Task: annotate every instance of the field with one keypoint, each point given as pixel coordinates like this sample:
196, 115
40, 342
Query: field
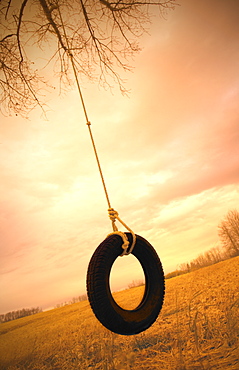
198, 328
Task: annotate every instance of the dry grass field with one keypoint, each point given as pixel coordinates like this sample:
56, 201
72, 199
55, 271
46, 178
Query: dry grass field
198, 328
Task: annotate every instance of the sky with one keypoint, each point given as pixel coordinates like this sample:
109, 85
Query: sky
169, 153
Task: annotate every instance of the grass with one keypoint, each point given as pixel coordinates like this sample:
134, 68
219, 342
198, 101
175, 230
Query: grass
196, 329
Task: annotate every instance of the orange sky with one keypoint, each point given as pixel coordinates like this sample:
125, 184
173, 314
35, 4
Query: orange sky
169, 153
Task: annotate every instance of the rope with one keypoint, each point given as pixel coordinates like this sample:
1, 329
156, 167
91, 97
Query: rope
84, 109
113, 215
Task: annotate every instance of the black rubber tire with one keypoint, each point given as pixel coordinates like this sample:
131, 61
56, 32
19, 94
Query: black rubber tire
107, 311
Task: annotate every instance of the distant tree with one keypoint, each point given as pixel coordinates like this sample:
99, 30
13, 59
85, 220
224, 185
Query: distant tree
98, 35
82, 297
13, 315
136, 283
214, 255
175, 273
228, 231
184, 267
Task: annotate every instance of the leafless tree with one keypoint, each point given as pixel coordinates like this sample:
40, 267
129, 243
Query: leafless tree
228, 231
13, 315
99, 36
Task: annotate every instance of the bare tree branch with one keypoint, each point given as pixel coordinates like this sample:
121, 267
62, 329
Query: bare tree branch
48, 12
100, 35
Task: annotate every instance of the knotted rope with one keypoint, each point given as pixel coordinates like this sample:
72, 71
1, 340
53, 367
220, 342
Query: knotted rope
113, 215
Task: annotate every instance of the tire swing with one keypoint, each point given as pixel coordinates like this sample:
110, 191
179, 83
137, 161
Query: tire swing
105, 308
107, 311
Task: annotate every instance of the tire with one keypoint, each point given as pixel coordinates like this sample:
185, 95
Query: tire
107, 311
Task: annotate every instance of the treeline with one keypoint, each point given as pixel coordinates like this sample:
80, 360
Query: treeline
228, 231
136, 283
80, 298
13, 315
208, 258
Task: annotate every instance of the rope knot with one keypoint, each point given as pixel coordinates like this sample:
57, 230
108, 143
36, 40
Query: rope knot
125, 244
113, 214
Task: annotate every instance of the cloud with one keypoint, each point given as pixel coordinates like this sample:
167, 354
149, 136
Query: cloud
169, 154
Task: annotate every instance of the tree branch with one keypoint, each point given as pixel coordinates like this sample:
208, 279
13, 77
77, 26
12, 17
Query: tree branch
101, 34
48, 12
6, 37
